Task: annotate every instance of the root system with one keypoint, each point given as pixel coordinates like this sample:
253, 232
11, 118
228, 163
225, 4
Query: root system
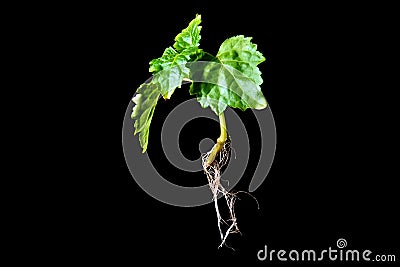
213, 172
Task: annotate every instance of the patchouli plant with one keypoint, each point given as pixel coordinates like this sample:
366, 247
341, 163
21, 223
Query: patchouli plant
229, 78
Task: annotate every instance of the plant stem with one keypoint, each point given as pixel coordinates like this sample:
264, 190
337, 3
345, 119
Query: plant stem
220, 141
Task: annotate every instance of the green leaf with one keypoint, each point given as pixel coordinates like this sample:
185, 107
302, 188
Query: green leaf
232, 78
189, 37
240, 53
145, 102
169, 71
170, 79
173, 61
168, 59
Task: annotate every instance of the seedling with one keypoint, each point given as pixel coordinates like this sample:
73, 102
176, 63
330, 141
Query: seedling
230, 78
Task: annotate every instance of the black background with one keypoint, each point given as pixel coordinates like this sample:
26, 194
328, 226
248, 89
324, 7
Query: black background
328, 82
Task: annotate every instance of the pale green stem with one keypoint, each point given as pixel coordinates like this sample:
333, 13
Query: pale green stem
220, 141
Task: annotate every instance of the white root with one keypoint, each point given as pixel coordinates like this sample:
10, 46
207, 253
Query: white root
213, 172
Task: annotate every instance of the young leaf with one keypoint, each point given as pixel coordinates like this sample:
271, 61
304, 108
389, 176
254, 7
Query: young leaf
169, 71
233, 78
173, 61
146, 100
168, 59
189, 37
